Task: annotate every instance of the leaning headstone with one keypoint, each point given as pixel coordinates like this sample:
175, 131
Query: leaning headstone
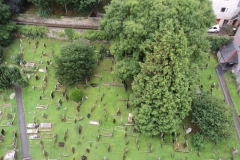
188, 130
1, 138
9, 116
12, 95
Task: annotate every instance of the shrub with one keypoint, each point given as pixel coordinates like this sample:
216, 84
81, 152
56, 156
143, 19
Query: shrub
69, 32
33, 31
22, 82
17, 59
76, 95
95, 35
61, 33
198, 141
168, 138
229, 77
1, 54
218, 41
102, 51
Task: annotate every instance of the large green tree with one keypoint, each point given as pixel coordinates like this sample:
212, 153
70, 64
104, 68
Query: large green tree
213, 117
131, 24
6, 25
75, 63
161, 91
8, 75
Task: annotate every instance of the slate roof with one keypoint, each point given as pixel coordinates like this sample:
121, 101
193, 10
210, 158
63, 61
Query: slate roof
229, 53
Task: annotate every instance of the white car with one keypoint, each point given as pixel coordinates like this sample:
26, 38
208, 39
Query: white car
214, 29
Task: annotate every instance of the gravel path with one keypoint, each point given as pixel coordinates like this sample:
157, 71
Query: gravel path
227, 97
22, 124
70, 22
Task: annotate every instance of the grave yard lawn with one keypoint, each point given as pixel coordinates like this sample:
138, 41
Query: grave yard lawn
113, 99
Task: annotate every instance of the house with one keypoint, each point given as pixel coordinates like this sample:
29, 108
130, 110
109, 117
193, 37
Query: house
228, 56
225, 10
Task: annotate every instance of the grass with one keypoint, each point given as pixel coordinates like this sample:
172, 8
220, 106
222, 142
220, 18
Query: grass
112, 100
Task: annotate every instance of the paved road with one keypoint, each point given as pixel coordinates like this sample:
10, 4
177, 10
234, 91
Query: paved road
22, 124
227, 97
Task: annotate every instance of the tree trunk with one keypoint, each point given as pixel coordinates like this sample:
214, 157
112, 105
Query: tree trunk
66, 9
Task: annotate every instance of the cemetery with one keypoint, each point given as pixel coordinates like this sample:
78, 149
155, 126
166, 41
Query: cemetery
101, 124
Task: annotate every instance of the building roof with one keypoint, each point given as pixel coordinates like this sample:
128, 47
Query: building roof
229, 53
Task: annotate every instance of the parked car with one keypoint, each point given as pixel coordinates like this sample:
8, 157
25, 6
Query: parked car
214, 29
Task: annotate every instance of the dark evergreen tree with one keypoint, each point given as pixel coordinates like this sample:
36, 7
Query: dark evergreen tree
1, 54
8, 75
75, 63
161, 91
15, 5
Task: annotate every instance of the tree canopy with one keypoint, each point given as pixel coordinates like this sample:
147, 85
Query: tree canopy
161, 91
15, 5
6, 25
213, 117
1, 54
8, 75
44, 7
75, 63
131, 24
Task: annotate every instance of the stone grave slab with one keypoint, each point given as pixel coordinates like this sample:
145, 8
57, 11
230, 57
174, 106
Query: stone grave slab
94, 123
6, 124
29, 65
45, 127
34, 137
10, 155
106, 83
188, 130
32, 125
32, 131
12, 95
42, 106
5, 105
42, 70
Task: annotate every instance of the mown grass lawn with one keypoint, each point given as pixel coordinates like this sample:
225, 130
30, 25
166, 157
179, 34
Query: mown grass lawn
114, 98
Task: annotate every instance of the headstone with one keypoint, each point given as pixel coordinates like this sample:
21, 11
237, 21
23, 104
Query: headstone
44, 115
4, 98
61, 144
130, 118
3, 132
12, 95
87, 150
9, 116
84, 157
188, 130
1, 138
73, 150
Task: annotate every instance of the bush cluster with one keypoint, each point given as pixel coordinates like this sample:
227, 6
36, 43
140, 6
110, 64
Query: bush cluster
95, 35
72, 34
218, 41
76, 95
33, 31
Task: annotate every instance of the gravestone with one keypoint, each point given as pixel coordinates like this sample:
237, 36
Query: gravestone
73, 150
87, 150
130, 118
12, 95
61, 144
4, 98
9, 116
44, 115
188, 130
84, 157
3, 132
1, 138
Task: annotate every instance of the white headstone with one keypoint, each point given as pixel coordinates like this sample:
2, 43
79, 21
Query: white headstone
12, 95
42, 70
188, 130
